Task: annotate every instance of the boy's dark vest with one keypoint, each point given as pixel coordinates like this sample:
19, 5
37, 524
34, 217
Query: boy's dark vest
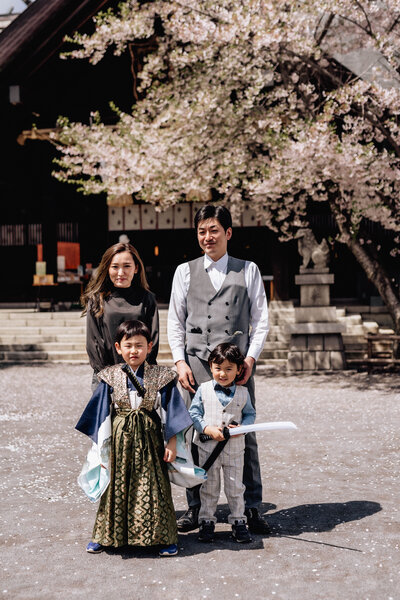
216, 317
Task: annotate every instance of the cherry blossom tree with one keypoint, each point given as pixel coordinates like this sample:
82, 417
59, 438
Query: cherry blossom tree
250, 99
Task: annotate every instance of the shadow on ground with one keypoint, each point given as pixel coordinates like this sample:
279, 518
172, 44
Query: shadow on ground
319, 517
288, 522
309, 517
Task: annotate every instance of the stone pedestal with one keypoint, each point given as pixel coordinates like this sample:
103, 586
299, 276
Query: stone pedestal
316, 336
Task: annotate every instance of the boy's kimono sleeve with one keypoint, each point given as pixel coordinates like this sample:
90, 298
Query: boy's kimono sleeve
176, 417
182, 471
95, 422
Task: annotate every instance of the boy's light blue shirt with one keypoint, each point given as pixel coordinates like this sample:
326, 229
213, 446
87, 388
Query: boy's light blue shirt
196, 409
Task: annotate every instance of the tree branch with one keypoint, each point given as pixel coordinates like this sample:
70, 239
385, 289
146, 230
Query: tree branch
373, 269
394, 24
360, 6
325, 29
362, 112
353, 22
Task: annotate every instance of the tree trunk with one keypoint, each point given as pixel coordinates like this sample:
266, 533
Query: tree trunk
375, 273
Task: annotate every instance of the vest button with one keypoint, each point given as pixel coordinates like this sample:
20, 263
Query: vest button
226, 331
209, 317
209, 302
209, 330
227, 303
227, 318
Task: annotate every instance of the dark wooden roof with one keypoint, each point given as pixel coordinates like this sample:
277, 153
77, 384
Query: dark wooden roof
39, 31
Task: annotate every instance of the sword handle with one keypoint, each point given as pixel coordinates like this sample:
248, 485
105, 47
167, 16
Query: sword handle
204, 437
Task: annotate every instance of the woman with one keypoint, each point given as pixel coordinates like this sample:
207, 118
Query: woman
117, 292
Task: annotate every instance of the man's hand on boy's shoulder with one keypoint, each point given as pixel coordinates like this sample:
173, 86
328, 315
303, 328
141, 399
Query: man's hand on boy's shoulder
247, 370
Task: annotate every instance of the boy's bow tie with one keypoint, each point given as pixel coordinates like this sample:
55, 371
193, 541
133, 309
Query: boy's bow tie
221, 388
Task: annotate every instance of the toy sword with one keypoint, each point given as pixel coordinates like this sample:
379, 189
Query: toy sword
232, 431
270, 426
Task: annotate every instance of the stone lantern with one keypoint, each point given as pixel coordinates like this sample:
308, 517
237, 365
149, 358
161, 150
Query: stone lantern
316, 336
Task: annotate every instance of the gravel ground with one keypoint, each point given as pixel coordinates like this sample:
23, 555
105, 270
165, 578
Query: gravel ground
331, 494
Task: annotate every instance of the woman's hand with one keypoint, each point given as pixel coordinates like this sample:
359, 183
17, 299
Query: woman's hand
170, 450
214, 432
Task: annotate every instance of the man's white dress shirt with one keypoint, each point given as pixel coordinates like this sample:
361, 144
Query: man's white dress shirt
177, 313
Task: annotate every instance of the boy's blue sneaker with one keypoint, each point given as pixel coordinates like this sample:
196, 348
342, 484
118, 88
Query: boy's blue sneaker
94, 548
171, 550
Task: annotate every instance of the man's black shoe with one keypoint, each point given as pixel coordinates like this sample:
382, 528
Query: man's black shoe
255, 522
206, 531
240, 533
189, 520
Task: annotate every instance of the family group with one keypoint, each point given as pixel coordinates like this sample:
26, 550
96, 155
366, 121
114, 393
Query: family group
217, 326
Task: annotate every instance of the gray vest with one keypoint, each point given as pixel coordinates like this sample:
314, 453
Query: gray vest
216, 317
218, 415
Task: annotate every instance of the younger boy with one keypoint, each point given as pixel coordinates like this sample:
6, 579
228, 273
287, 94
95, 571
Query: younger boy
220, 403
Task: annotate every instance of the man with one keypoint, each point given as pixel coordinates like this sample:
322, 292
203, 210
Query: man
215, 299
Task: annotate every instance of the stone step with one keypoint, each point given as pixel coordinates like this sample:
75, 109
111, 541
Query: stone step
42, 347
13, 315
370, 327
276, 327
67, 355
19, 323
355, 355
163, 345
281, 354
279, 337
164, 354
38, 339
80, 346
355, 330
278, 321
355, 347
352, 320
276, 345
25, 357
350, 338
280, 304
269, 366
30, 331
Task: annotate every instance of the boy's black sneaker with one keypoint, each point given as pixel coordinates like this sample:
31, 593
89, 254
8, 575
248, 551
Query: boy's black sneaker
206, 531
240, 532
